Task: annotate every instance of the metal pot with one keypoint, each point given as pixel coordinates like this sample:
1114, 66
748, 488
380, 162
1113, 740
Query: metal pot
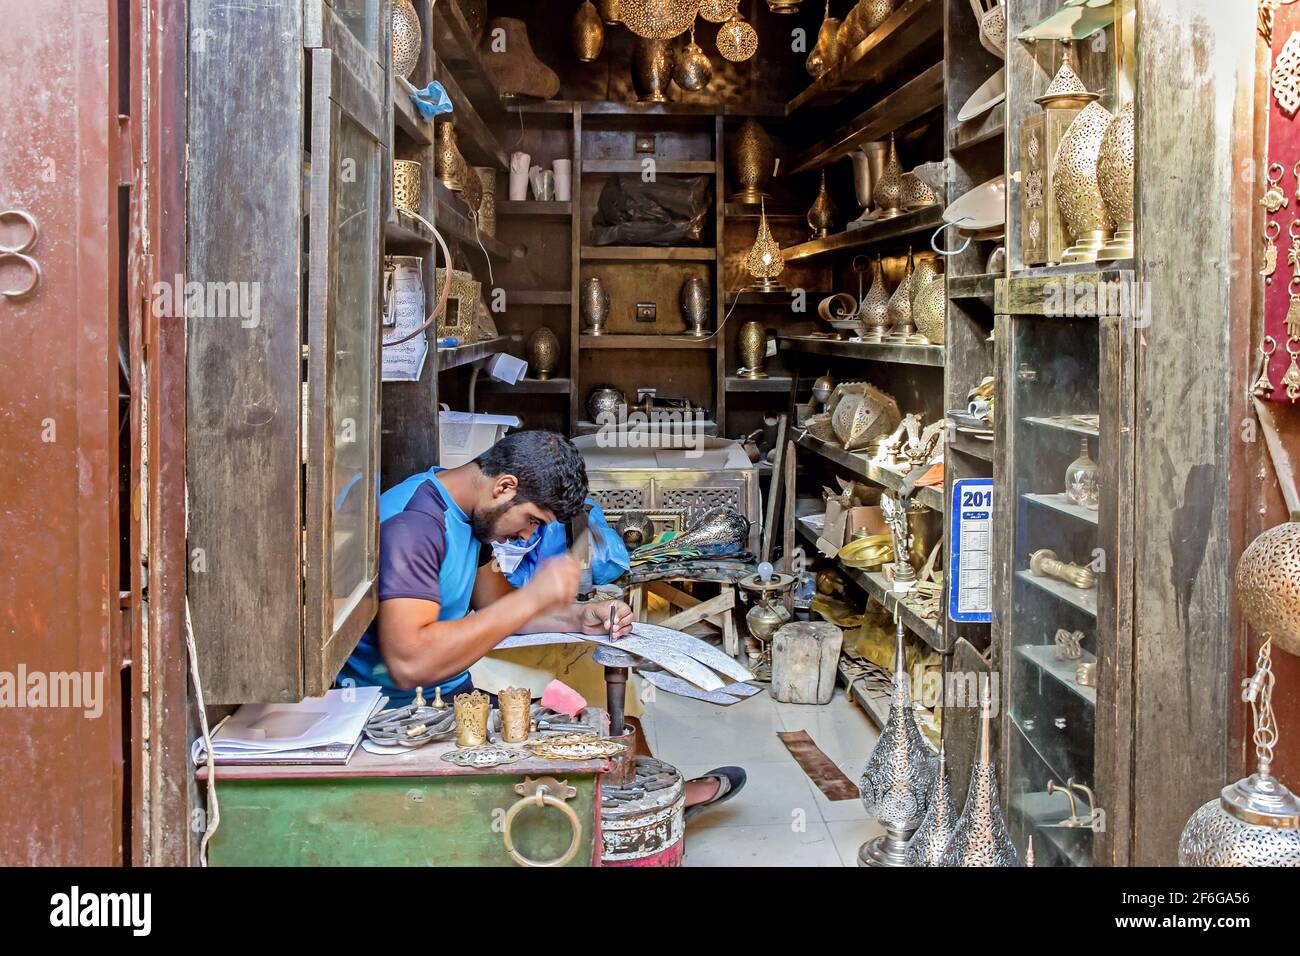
605, 400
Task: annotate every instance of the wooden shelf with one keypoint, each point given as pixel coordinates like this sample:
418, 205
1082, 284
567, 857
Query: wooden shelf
403, 227
532, 207
890, 46
773, 383
972, 287
877, 708
650, 341
784, 298
1062, 504
1081, 599
649, 253
745, 211
1062, 423
455, 224
477, 143
982, 129
909, 223
970, 445
862, 467
702, 110
931, 355
875, 584
914, 99
529, 386
465, 354
1038, 290
679, 166
454, 43
408, 119
538, 297
1043, 657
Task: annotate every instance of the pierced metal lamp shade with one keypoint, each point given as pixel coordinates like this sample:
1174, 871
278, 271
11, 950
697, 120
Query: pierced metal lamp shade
1078, 192
1255, 821
931, 838
765, 261
899, 775
821, 216
903, 331
825, 56
719, 11
1268, 585
752, 158
980, 837
407, 38
543, 352
887, 194
873, 314
694, 71
737, 40
658, 19
1115, 165
588, 33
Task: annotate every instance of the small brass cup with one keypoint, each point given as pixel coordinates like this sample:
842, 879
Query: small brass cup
515, 718
471, 718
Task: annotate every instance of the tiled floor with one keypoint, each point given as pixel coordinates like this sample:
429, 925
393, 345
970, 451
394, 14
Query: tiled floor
780, 818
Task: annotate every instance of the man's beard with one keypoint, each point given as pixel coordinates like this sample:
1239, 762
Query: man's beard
483, 524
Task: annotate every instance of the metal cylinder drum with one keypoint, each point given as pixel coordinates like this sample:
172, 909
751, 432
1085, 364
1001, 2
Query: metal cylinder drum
644, 824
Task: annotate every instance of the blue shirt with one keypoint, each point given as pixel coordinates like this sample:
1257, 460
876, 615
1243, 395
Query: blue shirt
426, 551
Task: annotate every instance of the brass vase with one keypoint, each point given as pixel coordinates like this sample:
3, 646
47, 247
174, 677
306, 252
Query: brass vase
752, 159
825, 56
752, 342
594, 306
695, 307
822, 214
1115, 177
487, 210
888, 191
694, 71
543, 353
407, 184
652, 70
472, 711
588, 33
1078, 192
407, 38
873, 313
515, 704
446, 157
928, 299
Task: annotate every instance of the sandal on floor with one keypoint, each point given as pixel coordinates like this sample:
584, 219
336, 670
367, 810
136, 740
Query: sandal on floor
731, 780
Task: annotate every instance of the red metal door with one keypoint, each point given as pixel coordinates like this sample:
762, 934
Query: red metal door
66, 359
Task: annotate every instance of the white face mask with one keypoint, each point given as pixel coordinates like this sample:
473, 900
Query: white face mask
509, 554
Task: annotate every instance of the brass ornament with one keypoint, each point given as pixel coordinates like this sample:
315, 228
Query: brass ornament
825, 55
929, 302
1274, 198
861, 413
515, 704
658, 19
446, 158
481, 757
487, 209
1115, 165
1078, 192
1066, 91
888, 191
1293, 306
737, 40
543, 353
471, 718
652, 69
874, 13
719, 11
1285, 76
1044, 564
873, 313
694, 71
916, 193
1263, 386
1268, 585
1085, 675
1270, 250
407, 38
461, 316
822, 214
752, 159
407, 185
593, 749
765, 261
1068, 645
752, 343
594, 305
588, 33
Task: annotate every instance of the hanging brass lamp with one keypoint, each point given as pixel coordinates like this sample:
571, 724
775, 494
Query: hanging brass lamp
610, 11
719, 11
658, 19
825, 56
588, 33
694, 71
765, 261
737, 40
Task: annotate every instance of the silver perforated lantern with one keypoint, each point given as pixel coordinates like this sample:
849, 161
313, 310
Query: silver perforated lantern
899, 775
980, 837
931, 839
1255, 821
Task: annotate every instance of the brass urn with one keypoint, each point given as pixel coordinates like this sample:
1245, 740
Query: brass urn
543, 352
752, 342
1115, 178
593, 305
822, 214
1078, 191
652, 69
588, 33
752, 159
888, 191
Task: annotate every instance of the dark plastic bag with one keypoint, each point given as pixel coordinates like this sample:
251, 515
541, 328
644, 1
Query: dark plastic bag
667, 212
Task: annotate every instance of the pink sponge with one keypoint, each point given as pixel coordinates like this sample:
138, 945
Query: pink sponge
563, 699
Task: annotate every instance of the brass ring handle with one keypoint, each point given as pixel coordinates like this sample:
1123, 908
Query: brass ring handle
20, 251
542, 799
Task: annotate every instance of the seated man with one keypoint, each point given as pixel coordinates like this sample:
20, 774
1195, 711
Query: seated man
435, 569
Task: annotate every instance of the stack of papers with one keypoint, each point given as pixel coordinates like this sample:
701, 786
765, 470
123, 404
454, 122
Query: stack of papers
317, 730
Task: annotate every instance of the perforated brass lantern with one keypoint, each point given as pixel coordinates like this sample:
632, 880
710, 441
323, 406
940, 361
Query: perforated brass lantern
888, 191
931, 838
588, 33
446, 157
765, 261
407, 38
658, 19
652, 69
407, 184
928, 299
543, 353
752, 158
752, 343
903, 328
515, 704
1078, 192
737, 40
875, 12
899, 776
1268, 584
694, 71
610, 11
873, 312
980, 837
822, 214
1255, 821
719, 11
825, 56
1115, 177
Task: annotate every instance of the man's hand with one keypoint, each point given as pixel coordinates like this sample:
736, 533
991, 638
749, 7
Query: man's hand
555, 583
595, 618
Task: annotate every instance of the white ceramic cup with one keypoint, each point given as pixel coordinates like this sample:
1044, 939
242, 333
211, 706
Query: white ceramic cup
563, 180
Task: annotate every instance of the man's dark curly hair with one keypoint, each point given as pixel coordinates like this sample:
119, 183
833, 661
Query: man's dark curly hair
550, 470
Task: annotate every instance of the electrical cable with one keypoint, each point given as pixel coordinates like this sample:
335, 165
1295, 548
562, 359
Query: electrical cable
441, 307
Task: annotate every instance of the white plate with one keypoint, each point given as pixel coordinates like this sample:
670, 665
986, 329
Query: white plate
980, 209
991, 92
